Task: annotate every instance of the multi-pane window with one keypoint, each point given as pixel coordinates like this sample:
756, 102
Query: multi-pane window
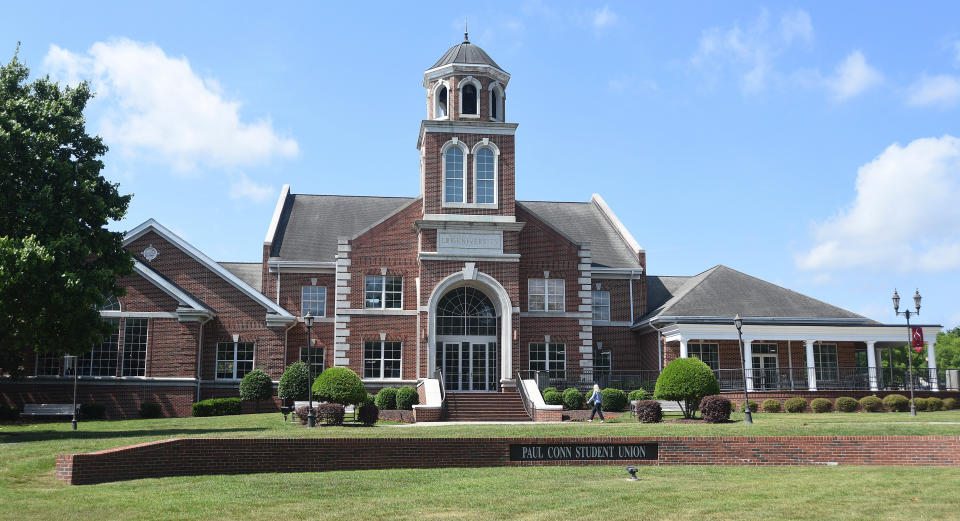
453, 175
135, 347
313, 357
383, 292
381, 359
601, 305
234, 360
48, 364
825, 362
103, 358
485, 176
545, 295
466, 311
313, 300
549, 357
112, 304
707, 353
602, 361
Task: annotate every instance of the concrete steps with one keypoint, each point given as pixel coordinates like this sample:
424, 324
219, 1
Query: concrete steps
506, 406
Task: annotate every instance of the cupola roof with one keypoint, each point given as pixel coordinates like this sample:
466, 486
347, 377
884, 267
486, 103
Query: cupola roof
466, 53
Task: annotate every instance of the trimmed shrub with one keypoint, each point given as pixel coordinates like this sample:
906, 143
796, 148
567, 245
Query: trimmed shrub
639, 394
649, 411
846, 404
771, 405
949, 404
934, 404
9, 412
552, 397
340, 385
407, 397
715, 409
150, 410
302, 413
369, 400
686, 380
255, 386
386, 399
329, 413
294, 382
613, 400
921, 404
546, 389
871, 404
821, 405
368, 414
795, 404
92, 411
572, 399
217, 407
754, 406
896, 402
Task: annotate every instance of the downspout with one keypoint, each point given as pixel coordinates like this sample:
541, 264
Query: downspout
278, 285
200, 355
631, 297
790, 363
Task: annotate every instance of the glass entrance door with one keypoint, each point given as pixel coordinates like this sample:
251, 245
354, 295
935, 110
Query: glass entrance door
765, 371
468, 365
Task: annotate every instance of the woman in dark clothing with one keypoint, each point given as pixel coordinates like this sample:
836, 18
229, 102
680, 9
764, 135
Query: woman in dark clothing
597, 400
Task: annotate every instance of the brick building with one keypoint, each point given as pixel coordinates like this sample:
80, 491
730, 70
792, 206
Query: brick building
463, 278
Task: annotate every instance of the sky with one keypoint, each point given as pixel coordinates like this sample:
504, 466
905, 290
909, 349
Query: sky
814, 146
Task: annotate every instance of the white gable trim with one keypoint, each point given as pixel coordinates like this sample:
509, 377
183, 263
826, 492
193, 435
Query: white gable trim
275, 221
152, 225
180, 296
621, 229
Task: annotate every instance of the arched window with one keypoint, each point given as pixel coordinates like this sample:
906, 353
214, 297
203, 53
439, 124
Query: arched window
112, 304
469, 100
494, 101
485, 168
466, 311
453, 175
440, 111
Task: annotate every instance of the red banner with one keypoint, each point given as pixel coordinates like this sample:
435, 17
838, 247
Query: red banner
916, 338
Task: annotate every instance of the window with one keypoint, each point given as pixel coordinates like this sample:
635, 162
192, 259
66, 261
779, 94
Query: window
466, 311
112, 304
602, 361
313, 357
549, 357
234, 360
48, 364
313, 300
383, 292
381, 359
494, 101
440, 110
707, 353
545, 295
485, 169
469, 93
135, 347
825, 362
453, 174
102, 359
601, 305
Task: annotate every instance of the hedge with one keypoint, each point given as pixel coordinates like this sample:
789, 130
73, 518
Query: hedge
649, 411
795, 404
639, 394
934, 404
871, 404
572, 399
715, 409
294, 382
846, 404
339, 385
552, 397
686, 380
217, 407
150, 410
949, 404
386, 399
896, 402
754, 406
92, 411
771, 405
821, 405
613, 400
921, 404
407, 397
368, 414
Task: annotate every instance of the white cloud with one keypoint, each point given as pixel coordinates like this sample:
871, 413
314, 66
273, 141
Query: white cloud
245, 188
157, 104
604, 18
905, 215
943, 90
796, 26
853, 76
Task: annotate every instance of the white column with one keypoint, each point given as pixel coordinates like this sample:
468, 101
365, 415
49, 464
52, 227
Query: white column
932, 365
748, 362
811, 366
683, 347
872, 364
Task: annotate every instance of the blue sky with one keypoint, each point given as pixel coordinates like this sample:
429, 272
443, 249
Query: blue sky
813, 146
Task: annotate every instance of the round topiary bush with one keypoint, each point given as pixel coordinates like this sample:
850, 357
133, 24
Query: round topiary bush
639, 394
613, 400
545, 389
386, 399
407, 397
150, 410
934, 404
871, 404
572, 399
339, 385
921, 403
754, 406
649, 411
821, 405
949, 404
368, 414
846, 404
771, 405
715, 409
369, 401
329, 413
686, 380
294, 382
896, 402
795, 404
256, 386
552, 397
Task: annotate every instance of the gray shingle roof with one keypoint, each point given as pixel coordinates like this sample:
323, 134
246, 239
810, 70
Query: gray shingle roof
585, 222
465, 52
724, 292
310, 224
249, 272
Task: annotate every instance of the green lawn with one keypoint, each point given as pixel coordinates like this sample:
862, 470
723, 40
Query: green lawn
28, 489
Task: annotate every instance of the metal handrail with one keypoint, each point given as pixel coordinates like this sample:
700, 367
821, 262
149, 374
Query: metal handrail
438, 374
527, 405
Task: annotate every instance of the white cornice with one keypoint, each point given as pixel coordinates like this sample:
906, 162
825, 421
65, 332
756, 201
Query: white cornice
487, 128
825, 333
275, 221
617, 224
434, 256
301, 266
431, 75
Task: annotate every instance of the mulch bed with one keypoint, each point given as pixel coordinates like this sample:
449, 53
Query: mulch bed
396, 415
584, 415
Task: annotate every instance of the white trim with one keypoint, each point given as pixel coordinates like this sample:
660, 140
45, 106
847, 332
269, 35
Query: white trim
486, 143
482, 69
443, 170
138, 314
436, 101
617, 224
376, 311
275, 221
469, 80
434, 256
275, 266
179, 295
152, 225
495, 88
709, 332
600, 272
441, 218
555, 314
486, 128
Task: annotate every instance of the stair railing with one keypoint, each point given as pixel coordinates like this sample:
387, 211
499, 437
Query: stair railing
527, 401
438, 374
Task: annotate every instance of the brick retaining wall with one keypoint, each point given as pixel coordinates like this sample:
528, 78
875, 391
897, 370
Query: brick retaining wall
204, 456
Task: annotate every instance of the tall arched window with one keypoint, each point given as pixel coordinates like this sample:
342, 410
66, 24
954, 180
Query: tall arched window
466, 311
453, 175
441, 109
494, 101
485, 169
469, 100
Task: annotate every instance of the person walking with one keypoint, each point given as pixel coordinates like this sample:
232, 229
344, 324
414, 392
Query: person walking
597, 400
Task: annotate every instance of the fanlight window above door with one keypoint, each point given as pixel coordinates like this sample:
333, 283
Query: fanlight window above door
466, 311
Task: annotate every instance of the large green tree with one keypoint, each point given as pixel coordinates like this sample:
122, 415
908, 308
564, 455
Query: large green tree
58, 261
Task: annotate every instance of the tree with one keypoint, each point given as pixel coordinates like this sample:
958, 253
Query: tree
686, 380
256, 386
58, 262
339, 385
294, 382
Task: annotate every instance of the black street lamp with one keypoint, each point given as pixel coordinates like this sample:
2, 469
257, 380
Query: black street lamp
907, 313
311, 417
70, 361
747, 416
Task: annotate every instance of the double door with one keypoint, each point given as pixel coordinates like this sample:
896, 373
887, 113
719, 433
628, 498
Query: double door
468, 364
765, 374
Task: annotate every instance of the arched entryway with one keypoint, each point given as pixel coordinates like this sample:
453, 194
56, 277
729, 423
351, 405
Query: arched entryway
466, 340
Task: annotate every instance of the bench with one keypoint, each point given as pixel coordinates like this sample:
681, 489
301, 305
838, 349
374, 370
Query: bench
48, 409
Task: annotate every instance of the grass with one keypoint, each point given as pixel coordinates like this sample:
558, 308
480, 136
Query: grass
28, 489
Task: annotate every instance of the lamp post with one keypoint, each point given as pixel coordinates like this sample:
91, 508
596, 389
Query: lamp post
906, 313
311, 417
747, 416
70, 361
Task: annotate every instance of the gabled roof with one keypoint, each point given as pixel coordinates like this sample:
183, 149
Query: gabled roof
722, 292
183, 297
249, 272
